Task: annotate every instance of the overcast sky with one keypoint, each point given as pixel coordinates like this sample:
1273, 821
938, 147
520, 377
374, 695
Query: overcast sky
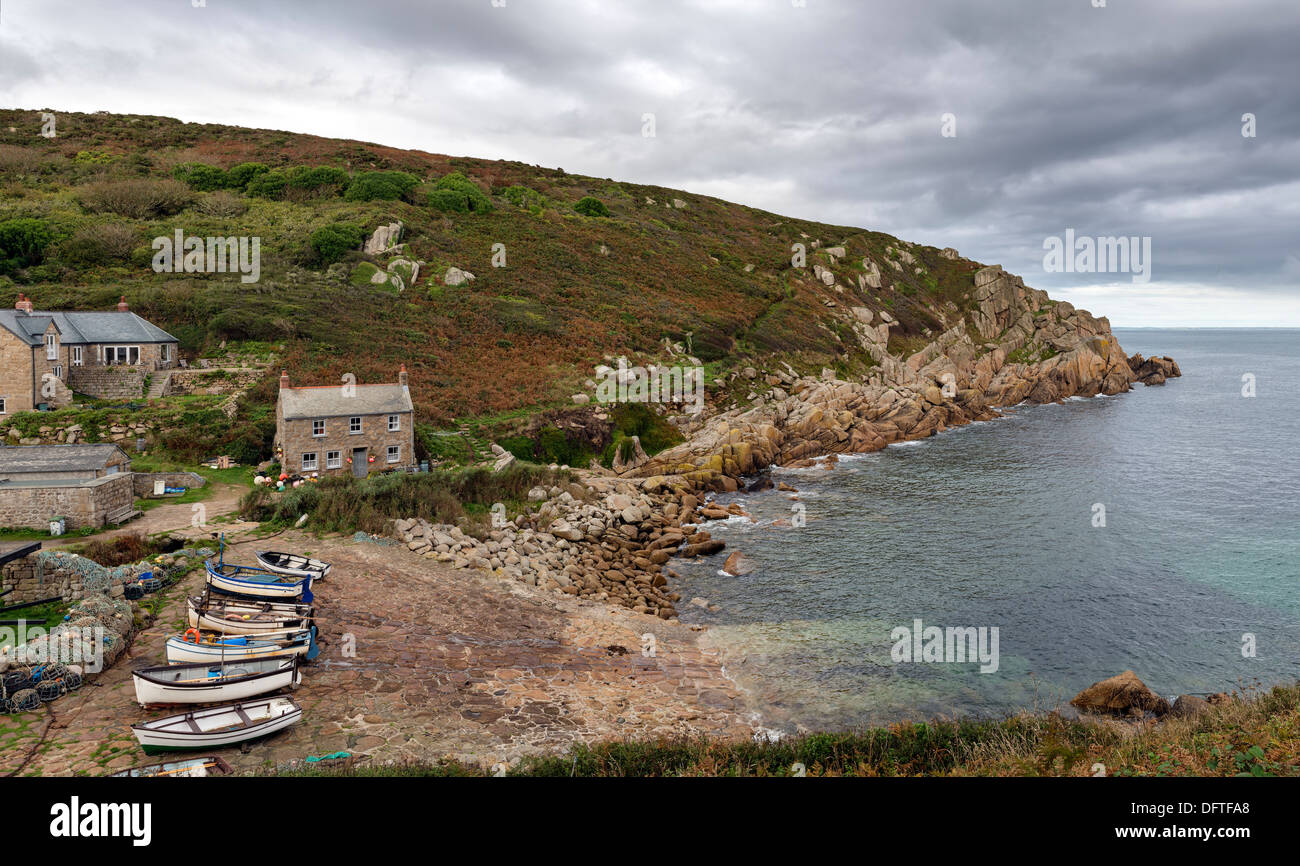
1122, 120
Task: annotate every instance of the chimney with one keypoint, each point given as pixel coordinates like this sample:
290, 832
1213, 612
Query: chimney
401, 376
24, 303
121, 305
284, 379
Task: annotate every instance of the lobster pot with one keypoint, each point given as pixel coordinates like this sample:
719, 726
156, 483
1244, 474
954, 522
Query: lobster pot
48, 690
25, 701
16, 680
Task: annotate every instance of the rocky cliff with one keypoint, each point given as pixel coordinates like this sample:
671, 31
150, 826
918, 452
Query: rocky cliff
1013, 345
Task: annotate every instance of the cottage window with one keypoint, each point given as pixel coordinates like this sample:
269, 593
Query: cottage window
333, 459
129, 355
76, 356
3, 411
165, 355
318, 427
58, 371
354, 425
309, 461
394, 453
394, 423
51, 347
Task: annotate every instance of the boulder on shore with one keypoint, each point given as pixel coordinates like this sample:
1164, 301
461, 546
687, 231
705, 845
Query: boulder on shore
739, 564
1123, 693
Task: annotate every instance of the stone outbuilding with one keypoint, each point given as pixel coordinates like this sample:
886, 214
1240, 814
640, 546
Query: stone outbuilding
88, 485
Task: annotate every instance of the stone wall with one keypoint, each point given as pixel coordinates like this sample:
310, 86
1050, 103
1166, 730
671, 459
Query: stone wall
144, 481
83, 504
108, 383
15, 373
216, 382
30, 581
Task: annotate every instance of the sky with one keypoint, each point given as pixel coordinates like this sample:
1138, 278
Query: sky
991, 126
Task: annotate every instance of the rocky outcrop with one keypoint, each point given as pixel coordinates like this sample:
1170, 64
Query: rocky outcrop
1153, 371
605, 539
384, 238
1122, 694
1014, 344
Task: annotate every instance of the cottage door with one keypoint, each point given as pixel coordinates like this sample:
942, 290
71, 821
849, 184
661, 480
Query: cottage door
360, 467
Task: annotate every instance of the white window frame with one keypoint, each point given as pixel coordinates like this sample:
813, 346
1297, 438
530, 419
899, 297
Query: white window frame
355, 426
335, 462
309, 465
112, 350
3, 409
394, 453
321, 422
394, 423
76, 356
57, 371
51, 347
164, 353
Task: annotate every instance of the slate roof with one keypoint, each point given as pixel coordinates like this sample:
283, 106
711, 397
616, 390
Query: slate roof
56, 458
328, 401
83, 328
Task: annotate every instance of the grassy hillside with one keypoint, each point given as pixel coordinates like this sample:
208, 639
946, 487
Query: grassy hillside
518, 339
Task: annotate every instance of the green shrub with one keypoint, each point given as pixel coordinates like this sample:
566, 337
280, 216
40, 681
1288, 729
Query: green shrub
592, 207
269, 184
380, 186
457, 193
448, 201
323, 179
202, 177
145, 198
241, 174
333, 241
23, 243
99, 244
525, 197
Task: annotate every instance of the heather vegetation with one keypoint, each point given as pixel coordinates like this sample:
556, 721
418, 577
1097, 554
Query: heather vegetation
593, 269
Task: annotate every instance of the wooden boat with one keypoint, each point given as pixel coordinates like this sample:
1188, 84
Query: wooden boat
234, 616
292, 563
215, 727
193, 768
208, 683
241, 581
195, 646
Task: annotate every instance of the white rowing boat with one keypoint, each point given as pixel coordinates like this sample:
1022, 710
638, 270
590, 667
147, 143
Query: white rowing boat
233, 616
293, 564
212, 683
192, 768
215, 727
254, 583
195, 646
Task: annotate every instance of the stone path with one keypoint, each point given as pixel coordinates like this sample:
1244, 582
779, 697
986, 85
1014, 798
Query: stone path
446, 663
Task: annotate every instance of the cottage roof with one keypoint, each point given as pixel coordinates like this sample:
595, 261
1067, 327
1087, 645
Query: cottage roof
84, 328
16, 459
330, 401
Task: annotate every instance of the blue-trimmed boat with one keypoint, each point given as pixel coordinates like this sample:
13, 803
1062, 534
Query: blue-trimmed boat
256, 583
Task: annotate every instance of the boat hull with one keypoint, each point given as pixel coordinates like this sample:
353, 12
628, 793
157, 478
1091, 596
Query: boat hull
257, 589
181, 651
234, 617
150, 691
217, 726
292, 564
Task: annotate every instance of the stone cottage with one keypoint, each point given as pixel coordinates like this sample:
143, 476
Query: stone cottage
44, 356
345, 429
89, 485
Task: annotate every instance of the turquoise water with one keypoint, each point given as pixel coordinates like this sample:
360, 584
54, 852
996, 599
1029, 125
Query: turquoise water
992, 525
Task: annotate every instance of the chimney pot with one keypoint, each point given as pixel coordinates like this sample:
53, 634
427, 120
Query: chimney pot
24, 303
121, 305
284, 379
401, 376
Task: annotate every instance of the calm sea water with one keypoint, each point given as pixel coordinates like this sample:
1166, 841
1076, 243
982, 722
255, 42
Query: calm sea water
992, 525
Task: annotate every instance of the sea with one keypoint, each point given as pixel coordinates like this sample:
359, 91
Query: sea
1157, 531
